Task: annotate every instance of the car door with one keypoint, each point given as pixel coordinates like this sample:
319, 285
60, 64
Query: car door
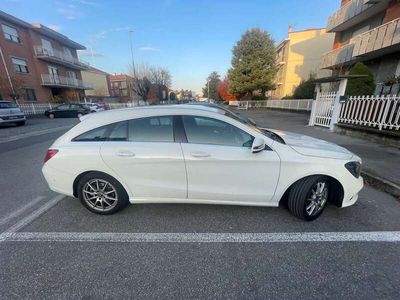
74, 110
144, 154
221, 166
61, 111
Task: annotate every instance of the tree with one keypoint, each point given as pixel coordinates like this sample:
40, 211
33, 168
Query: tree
363, 85
160, 76
306, 89
13, 89
223, 90
172, 96
212, 83
253, 64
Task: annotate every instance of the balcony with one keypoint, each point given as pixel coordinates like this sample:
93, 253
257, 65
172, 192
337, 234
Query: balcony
64, 82
338, 57
354, 12
378, 41
59, 57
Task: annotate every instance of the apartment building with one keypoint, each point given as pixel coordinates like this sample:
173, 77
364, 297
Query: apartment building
121, 87
38, 64
99, 80
298, 56
367, 31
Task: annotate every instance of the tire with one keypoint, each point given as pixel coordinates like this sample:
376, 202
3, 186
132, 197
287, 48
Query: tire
101, 203
309, 192
79, 115
51, 116
21, 123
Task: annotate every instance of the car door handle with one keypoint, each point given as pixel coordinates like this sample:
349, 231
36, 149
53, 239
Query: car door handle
199, 154
125, 153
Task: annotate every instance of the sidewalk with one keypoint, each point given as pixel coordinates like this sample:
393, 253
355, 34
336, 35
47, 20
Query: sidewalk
381, 164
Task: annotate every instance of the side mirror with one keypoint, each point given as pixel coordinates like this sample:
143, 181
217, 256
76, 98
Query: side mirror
258, 145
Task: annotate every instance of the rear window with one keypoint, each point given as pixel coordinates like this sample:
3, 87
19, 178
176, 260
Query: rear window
5, 105
152, 129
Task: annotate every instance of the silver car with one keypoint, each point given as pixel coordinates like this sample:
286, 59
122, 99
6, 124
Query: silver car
11, 113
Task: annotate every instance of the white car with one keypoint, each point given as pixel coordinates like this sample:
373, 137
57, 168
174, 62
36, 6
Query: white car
94, 107
197, 154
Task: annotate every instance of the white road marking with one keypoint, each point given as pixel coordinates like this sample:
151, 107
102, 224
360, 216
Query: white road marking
284, 237
33, 133
20, 210
31, 217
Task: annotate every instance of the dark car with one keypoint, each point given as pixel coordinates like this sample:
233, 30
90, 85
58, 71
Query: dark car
68, 110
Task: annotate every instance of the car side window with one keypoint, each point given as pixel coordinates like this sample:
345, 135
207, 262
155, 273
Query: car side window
62, 107
94, 135
203, 130
119, 133
152, 129
75, 106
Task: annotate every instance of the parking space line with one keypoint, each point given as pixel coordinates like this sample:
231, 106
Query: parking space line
285, 237
31, 217
20, 210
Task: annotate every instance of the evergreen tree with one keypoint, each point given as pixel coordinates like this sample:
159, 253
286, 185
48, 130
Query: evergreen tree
363, 85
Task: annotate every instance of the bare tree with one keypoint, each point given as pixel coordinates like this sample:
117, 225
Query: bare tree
160, 76
13, 89
141, 83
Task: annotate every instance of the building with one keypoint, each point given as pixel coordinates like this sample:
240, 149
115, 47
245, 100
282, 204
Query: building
99, 80
38, 64
367, 31
121, 87
298, 56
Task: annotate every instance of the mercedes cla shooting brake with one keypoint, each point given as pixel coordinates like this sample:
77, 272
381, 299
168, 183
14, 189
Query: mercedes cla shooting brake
197, 154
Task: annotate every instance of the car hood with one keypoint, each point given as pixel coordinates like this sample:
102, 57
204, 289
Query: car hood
10, 111
309, 146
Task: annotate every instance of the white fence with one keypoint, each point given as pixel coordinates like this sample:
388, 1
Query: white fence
35, 108
295, 104
382, 112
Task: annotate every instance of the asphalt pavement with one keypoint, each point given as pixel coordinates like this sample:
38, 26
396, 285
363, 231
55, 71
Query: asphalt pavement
53, 248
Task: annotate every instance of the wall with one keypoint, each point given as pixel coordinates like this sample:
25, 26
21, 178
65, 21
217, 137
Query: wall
99, 82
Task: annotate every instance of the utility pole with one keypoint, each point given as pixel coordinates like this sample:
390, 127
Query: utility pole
133, 61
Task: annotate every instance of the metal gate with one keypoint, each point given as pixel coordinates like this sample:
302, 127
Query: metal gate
323, 109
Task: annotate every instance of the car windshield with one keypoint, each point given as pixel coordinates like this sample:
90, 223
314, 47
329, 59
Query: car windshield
5, 105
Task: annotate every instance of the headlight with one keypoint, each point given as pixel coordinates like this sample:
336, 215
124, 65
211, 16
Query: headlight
354, 167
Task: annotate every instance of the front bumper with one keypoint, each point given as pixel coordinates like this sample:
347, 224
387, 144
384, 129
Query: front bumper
351, 191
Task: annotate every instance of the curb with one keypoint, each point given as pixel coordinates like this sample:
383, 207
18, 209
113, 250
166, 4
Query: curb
382, 184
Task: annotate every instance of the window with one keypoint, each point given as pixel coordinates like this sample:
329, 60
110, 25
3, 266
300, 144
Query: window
6, 105
153, 129
63, 107
28, 94
10, 33
119, 132
202, 130
94, 135
20, 65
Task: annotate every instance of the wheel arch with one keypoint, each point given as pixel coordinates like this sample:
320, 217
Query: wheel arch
335, 198
78, 178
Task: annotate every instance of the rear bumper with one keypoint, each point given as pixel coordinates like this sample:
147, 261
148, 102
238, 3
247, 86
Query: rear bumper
12, 119
59, 181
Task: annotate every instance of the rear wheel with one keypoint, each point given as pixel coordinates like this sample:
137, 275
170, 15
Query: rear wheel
80, 115
51, 116
308, 197
102, 194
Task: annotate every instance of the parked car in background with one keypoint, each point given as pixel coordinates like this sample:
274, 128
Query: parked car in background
104, 105
94, 107
197, 154
10, 113
68, 110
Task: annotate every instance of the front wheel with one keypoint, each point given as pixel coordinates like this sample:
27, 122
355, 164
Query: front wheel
308, 197
102, 194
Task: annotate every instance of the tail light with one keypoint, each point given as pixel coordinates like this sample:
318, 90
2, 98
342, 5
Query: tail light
50, 153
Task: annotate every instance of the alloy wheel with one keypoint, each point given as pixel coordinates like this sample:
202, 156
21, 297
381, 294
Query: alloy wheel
317, 198
100, 194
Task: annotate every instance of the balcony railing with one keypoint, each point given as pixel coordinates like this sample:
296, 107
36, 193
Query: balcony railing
347, 12
337, 56
378, 41
59, 57
62, 81
379, 38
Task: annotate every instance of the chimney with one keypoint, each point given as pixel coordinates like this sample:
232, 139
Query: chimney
290, 28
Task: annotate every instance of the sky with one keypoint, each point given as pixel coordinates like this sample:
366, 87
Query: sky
191, 38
